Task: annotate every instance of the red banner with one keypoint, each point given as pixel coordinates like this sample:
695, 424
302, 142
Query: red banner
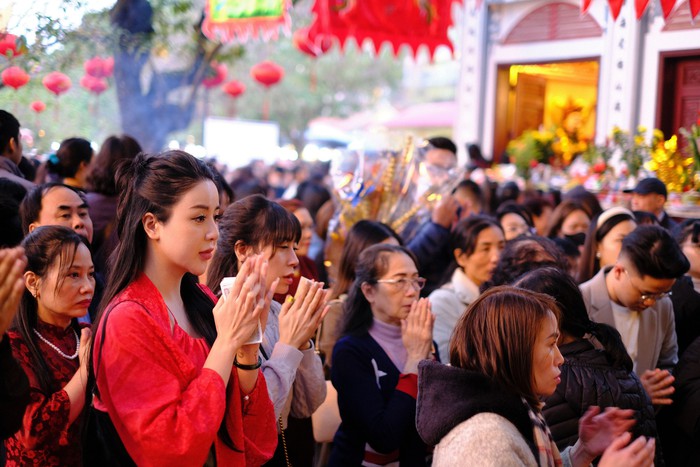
239, 20
641, 5
400, 23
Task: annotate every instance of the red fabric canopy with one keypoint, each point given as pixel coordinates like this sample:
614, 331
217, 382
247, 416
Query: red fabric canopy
397, 22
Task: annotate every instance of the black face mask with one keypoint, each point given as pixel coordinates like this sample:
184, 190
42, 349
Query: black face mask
579, 238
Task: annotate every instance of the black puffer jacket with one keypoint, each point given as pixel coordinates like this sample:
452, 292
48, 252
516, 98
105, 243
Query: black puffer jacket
679, 423
587, 379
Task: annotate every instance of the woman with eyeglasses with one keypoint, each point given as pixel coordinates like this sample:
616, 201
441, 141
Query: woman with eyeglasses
386, 331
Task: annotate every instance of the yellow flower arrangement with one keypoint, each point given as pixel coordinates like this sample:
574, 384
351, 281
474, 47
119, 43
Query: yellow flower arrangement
670, 165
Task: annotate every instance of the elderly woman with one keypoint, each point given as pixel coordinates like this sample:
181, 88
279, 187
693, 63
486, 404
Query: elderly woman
386, 332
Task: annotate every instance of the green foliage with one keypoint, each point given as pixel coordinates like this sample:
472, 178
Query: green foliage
345, 82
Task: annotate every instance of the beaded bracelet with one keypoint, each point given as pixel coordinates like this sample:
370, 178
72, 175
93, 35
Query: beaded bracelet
242, 366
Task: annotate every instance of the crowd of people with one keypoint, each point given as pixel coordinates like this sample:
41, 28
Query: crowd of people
156, 309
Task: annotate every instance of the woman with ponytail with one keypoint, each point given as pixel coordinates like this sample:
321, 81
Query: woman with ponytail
70, 163
50, 346
597, 370
176, 381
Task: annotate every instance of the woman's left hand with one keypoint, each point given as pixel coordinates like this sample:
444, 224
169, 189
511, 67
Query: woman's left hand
596, 429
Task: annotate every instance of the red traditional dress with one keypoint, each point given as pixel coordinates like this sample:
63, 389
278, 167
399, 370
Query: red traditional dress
165, 406
46, 437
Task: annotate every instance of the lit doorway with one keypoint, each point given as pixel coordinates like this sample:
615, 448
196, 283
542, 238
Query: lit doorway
545, 95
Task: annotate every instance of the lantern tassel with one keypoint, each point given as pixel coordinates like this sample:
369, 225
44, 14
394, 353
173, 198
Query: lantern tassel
266, 106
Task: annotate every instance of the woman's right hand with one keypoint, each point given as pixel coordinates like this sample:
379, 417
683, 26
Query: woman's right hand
638, 453
417, 333
300, 317
237, 316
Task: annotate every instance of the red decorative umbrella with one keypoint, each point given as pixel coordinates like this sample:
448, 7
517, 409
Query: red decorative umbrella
217, 75
57, 82
234, 88
15, 77
38, 106
268, 74
99, 67
8, 46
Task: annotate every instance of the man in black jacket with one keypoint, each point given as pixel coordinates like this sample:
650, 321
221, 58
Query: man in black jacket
14, 386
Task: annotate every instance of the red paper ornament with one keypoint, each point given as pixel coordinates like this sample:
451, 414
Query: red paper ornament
99, 67
38, 106
694, 8
219, 75
234, 88
15, 77
640, 6
305, 44
267, 73
8, 46
615, 6
95, 85
667, 7
57, 82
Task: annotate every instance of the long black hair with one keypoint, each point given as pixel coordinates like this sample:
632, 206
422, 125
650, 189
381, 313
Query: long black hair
46, 247
574, 319
154, 184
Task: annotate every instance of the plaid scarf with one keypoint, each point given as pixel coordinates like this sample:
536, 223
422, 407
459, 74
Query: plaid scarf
547, 449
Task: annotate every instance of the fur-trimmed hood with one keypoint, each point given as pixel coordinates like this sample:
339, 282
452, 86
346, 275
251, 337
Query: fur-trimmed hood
447, 396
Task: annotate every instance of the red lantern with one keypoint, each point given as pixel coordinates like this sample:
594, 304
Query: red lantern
218, 76
15, 77
57, 82
8, 46
267, 73
234, 88
38, 106
99, 67
95, 85
305, 44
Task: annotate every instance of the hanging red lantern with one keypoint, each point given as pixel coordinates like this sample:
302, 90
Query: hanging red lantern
217, 76
57, 82
302, 42
15, 77
267, 73
95, 85
234, 88
8, 46
38, 106
99, 67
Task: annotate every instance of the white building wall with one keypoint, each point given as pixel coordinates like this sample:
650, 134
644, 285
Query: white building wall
628, 52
